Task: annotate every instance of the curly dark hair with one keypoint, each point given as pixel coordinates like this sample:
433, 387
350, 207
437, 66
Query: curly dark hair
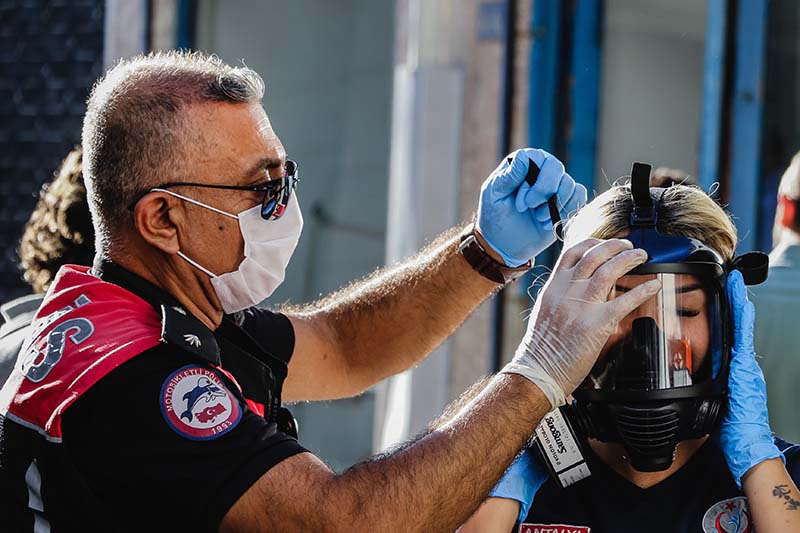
59, 230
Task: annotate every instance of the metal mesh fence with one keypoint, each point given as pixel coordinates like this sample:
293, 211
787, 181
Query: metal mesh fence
50, 54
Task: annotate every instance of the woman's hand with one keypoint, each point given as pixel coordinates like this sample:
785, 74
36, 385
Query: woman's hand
745, 435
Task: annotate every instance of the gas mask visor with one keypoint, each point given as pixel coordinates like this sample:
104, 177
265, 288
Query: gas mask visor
672, 341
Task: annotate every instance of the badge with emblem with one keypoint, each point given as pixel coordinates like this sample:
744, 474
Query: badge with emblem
197, 405
552, 528
728, 516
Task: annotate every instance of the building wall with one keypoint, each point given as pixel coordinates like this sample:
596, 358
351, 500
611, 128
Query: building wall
481, 153
651, 86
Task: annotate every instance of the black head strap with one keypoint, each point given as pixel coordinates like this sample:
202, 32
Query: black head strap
644, 212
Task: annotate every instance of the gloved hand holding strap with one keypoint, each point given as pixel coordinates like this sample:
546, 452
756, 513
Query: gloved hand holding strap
745, 436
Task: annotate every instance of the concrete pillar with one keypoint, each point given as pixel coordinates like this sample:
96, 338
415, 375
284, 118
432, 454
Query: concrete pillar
424, 175
125, 29
446, 124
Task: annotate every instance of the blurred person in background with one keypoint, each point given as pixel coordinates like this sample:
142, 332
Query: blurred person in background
153, 385
58, 232
777, 335
652, 464
665, 176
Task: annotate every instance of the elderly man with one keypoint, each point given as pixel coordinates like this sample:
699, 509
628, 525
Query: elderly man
778, 302
151, 387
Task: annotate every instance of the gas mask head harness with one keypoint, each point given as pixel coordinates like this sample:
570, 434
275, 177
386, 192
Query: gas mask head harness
662, 377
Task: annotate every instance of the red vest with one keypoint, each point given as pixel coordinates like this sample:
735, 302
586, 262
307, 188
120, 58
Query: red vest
84, 329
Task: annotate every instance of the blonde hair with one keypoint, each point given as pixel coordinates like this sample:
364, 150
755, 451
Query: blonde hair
683, 210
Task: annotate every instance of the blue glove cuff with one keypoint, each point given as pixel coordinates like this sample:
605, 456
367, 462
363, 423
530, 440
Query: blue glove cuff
512, 262
752, 455
521, 482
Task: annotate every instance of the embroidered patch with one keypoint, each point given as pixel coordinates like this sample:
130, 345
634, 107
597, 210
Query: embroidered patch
728, 516
552, 528
197, 405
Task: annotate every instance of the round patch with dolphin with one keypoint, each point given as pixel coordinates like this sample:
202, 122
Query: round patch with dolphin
197, 405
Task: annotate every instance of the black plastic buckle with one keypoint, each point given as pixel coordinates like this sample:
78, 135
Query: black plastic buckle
644, 213
754, 267
287, 423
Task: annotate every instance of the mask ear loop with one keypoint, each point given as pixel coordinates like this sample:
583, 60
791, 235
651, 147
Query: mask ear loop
201, 204
196, 265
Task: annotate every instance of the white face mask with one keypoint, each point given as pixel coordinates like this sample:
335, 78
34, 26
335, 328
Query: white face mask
268, 247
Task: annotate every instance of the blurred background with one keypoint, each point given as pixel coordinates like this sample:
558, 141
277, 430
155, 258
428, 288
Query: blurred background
397, 110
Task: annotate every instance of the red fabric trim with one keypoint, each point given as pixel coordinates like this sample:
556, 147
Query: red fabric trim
258, 408
789, 206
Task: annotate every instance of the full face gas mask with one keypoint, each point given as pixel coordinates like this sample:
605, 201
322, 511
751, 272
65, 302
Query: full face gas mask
662, 377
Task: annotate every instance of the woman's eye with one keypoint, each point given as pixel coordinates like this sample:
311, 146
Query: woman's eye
687, 313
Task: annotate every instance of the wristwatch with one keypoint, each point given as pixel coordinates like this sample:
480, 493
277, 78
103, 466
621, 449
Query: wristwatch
483, 263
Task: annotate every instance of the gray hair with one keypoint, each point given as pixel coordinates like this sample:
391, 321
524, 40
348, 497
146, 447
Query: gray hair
134, 131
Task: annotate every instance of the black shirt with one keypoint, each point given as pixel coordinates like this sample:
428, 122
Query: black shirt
700, 497
130, 466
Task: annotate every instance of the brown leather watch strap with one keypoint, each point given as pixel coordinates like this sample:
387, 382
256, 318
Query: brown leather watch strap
485, 264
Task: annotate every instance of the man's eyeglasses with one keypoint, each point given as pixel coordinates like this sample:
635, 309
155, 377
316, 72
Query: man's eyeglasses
277, 192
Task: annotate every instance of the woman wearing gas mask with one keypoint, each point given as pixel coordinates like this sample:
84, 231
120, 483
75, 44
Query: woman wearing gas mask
669, 432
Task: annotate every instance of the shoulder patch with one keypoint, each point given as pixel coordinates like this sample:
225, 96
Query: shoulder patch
197, 405
728, 516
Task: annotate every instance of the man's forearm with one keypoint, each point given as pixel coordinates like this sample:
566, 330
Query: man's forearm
437, 482
386, 323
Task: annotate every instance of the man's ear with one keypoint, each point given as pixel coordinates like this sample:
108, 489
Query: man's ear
155, 219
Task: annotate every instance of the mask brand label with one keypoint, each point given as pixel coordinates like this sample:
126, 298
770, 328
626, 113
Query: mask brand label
574, 474
552, 528
551, 425
559, 447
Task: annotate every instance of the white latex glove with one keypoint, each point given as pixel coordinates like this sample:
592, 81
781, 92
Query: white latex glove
573, 316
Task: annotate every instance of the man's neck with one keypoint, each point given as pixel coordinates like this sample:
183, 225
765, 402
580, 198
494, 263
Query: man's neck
185, 283
613, 455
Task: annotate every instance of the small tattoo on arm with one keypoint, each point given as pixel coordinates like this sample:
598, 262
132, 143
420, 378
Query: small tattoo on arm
782, 491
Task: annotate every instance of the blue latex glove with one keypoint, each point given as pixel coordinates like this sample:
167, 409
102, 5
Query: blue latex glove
523, 478
513, 217
745, 435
